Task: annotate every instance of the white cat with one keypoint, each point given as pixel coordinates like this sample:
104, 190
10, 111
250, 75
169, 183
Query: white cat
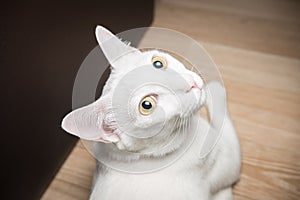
140, 111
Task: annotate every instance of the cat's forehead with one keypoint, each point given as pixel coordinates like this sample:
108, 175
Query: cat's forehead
157, 53
135, 60
133, 66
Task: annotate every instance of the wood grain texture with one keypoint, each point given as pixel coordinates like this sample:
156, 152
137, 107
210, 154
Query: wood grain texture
256, 46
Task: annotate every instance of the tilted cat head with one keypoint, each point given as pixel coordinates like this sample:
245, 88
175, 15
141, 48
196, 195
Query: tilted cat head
146, 101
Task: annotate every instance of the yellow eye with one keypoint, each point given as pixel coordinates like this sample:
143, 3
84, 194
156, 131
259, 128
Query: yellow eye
159, 62
147, 105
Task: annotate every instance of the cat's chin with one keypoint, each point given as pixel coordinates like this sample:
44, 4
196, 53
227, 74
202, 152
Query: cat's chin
160, 146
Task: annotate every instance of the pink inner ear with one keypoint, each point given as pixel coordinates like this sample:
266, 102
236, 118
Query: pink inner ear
108, 132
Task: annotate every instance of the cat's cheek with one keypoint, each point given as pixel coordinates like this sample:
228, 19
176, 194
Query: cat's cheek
143, 121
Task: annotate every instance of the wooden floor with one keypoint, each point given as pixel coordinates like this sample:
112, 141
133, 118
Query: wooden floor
256, 45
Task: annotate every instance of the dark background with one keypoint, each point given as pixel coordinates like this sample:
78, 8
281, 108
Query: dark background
42, 46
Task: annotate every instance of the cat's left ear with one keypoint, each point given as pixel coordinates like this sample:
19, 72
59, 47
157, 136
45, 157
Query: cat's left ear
111, 45
85, 123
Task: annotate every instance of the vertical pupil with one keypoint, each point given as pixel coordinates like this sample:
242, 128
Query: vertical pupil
146, 105
158, 64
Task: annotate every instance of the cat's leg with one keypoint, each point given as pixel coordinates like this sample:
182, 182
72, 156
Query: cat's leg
225, 194
228, 159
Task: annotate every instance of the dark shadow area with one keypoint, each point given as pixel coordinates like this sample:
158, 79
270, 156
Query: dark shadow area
42, 44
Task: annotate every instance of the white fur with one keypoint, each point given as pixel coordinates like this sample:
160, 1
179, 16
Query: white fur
190, 177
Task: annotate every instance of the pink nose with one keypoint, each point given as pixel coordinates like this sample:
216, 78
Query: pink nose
195, 86
190, 80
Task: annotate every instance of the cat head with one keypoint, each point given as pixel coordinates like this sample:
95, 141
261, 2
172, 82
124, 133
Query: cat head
145, 104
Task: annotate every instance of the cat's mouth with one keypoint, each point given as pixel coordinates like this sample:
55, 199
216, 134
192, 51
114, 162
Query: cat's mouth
198, 91
194, 87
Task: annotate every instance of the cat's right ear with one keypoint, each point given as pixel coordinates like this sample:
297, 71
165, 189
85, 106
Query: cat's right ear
111, 45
